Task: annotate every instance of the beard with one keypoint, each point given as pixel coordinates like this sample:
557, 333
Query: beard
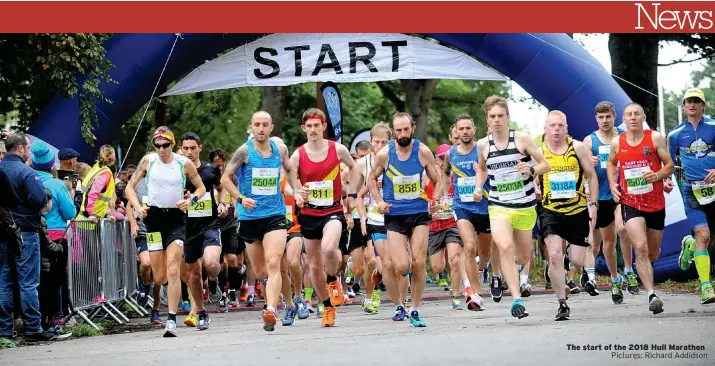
405, 141
466, 140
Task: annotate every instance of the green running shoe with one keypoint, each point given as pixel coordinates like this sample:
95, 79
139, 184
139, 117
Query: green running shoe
687, 248
632, 283
416, 321
616, 292
708, 296
376, 299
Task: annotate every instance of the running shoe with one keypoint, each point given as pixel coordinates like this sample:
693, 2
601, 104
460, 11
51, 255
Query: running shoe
155, 318
232, 299
223, 304
563, 313
143, 295
204, 320
496, 289
336, 294
443, 283
591, 288
655, 304
349, 276
708, 296
573, 289
59, 332
186, 306
382, 286
251, 301
351, 293
616, 292
475, 302
518, 310
687, 249
289, 316
243, 297
328, 317
525, 290
215, 292
302, 310
416, 321
6, 342
269, 320
281, 305
368, 307
375, 299
457, 304
400, 314
190, 321
632, 283
170, 329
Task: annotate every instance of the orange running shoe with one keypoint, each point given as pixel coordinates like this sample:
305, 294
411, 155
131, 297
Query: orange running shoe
244, 294
269, 320
336, 293
328, 317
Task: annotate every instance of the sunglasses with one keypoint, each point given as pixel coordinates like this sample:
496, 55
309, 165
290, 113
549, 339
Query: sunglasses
163, 146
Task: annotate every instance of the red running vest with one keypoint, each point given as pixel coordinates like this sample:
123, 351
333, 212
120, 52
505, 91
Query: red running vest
633, 160
326, 170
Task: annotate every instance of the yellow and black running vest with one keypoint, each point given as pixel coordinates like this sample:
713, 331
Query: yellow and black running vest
563, 187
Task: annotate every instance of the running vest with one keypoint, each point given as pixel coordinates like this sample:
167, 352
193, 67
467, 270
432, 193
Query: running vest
602, 151
402, 182
259, 180
373, 215
463, 181
563, 186
325, 187
508, 187
165, 182
634, 161
101, 204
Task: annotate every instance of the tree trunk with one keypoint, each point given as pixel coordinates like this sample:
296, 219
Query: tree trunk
634, 57
273, 101
419, 95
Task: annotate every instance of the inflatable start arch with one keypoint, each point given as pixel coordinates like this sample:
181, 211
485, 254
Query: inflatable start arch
553, 68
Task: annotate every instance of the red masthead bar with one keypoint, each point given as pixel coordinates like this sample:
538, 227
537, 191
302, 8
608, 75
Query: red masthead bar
359, 16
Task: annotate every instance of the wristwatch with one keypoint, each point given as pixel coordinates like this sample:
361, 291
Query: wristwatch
239, 200
531, 169
193, 199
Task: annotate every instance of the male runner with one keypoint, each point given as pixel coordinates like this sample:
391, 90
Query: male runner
165, 214
262, 215
693, 140
372, 224
203, 239
644, 164
472, 217
506, 158
292, 258
316, 169
405, 205
608, 214
357, 241
564, 213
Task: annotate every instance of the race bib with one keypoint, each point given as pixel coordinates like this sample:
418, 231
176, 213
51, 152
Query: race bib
264, 181
635, 182
603, 152
289, 213
153, 242
465, 189
202, 207
406, 187
704, 193
563, 185
510, 186
320, 193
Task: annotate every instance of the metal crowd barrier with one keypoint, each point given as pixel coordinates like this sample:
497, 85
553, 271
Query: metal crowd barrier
102, 270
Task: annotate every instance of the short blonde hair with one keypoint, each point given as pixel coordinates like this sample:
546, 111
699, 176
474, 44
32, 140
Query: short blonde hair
556, 113
493, 101
381, 127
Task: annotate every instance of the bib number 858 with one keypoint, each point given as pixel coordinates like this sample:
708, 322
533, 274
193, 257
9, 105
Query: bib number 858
407, 188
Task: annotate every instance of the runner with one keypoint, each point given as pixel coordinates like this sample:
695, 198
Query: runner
262, 225
203, 239
608, 214
564, 213
357, 241
165, 214
693, 140
507, 158
316, 169
472, 217
641, 161
405, 205
372, 224
292, 259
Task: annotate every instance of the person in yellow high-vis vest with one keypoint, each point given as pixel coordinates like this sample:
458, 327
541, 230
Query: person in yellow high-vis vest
98, 187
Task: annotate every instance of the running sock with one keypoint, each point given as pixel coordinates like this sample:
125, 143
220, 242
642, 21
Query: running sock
270, 308
172, 316
234, 278
523, 279
627, 270
308, 293
251, 290
591, 272
412, 308
221, 279
702, 264
467, 287
650, 293
615, 280
330, 278
562, 301
184, 291
327, 303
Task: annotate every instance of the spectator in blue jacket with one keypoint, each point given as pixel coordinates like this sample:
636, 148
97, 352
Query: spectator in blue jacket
63, 209
22, 193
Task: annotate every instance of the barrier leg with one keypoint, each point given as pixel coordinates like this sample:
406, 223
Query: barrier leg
109, 312
133, 304
124, 317
85, 318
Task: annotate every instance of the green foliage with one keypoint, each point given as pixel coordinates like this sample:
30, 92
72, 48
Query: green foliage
34, 67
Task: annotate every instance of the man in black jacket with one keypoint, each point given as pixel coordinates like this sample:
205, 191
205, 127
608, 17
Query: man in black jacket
23, 195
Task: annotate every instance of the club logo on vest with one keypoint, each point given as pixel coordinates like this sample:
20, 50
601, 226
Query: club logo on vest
646, 150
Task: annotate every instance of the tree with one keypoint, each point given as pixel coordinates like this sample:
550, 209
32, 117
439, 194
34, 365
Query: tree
705, 80
35, 67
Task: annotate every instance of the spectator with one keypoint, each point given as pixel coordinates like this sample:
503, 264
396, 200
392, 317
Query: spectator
68, 158
98, 187
24, 197
3, 150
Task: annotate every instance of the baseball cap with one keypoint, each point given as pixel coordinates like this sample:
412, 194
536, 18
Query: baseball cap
442, 150
694, 93
67, 153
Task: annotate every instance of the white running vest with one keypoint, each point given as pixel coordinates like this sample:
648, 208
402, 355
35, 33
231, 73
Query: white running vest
373, 216
165, 182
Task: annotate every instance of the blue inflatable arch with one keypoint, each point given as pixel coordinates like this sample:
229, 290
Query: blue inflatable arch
553, 68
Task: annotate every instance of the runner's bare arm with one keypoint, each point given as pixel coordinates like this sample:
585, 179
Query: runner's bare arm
584, 158
612, 170
433, 173
662, 150
347, 159
529, 148
193, 175
377, 170
287, 167
240, 156
130, 190
481, 168
588, 143
295, 165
